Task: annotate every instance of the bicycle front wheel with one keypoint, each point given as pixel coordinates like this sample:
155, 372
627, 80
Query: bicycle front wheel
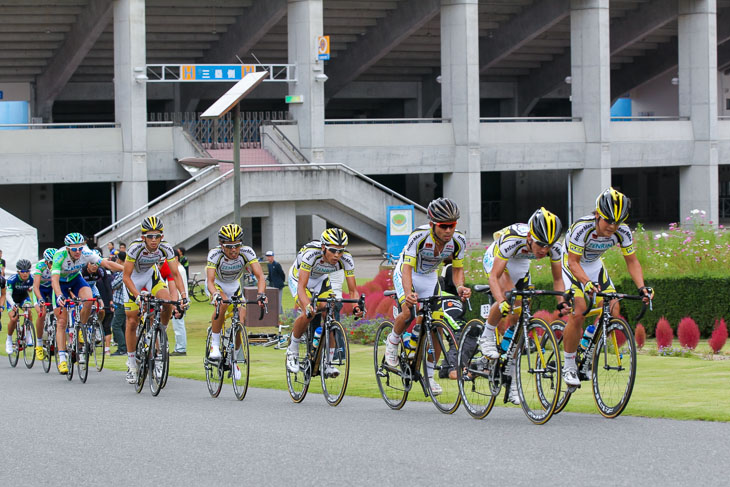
198, 292
335, 365
30, 342
298, 382
614, 368
439, 360
140, 357
70, 352
213, 370
48, 350
240, 361
538, 371
474, 373
390, 380
15, 354
97, 339
558, 327
83, 345
159, 361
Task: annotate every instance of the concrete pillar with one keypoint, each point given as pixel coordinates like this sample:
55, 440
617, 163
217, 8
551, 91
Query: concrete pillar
698, 183
41, 211
130, 102
460, 96
590, 55
279, 231
304, 23
309, 228
247, 227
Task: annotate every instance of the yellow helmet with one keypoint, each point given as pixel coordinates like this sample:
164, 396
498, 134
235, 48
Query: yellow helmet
334, 236
613, 206
230, 233
152, 223
545, 227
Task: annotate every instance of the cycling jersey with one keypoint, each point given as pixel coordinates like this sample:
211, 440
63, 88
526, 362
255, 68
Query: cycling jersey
44, 274
19, 290
420, 251
512, 244
310, 258
582, 239
144, 259
230, 270
92, 279
68, 269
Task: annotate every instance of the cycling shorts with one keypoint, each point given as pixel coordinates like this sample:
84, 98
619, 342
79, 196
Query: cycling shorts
425, 285
518, 270
73, 286
595, 271
319, 286
149, 280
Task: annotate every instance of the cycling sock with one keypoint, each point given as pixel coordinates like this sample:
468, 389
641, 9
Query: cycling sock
570, 360
62, 356
332, 354
294, 345
429, 369
394, 338
488, 329
215, 339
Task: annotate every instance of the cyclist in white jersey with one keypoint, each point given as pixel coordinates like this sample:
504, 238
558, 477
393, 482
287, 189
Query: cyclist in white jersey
507, 266
141, 271
583, 270
66, 281
226, 265
415, 273
309, 276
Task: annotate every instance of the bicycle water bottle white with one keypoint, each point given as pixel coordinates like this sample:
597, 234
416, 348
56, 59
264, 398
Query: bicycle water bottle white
317, 336
585, 342
504, 344
413, 341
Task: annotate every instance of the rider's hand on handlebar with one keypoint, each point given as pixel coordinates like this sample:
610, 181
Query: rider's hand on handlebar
505, 308
309, 310
591, 287
464, 292
262, 299
647, 292
411, 299
563, 308
215, 298
60, 301
184, 303
357, 312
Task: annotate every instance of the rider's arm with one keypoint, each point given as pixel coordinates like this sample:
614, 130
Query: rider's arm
127, 277
210, 280
352, 287
457, 275
407, 278
304, 300
576, 269
634, 267
259, 275
557, 271
112, 266
9, 296
177, 278
494, 276
37, 288
2, 299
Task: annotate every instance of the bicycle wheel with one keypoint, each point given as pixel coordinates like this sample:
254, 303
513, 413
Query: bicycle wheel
298, 382
70, 352
17, 337
29, 347
614, 368
558, 327
213, 370
83, 347
197, 291
159, 360
141, 351
475, 373
48, 350
442, 353
240, 361
335, 365
538, 378
390, 380
98, 341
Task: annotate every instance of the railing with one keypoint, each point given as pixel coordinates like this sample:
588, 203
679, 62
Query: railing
289, 149
368, 121
724, 117
528, 119
70, 125
645, 118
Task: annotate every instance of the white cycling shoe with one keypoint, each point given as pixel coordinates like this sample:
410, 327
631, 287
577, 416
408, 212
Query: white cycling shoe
292, 361
488, 345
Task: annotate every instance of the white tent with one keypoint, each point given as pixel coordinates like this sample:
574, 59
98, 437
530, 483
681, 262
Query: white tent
18, 240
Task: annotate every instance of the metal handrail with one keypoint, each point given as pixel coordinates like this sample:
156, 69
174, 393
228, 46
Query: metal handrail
528, 119
61, 125
292, 146
647, 118
364, 121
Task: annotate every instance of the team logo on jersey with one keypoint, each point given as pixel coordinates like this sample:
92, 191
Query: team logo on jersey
429, 245
594, 235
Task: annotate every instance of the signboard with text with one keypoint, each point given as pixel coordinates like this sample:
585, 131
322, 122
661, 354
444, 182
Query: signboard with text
399, 226
212, 72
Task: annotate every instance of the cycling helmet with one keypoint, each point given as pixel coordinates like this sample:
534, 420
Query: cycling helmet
98, 252
545, 227
230, 233
73, 239
334, 236
49, 253
613, 206
22, 265
152, 223
443, 210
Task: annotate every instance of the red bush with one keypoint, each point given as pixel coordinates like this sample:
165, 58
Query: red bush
385, 308
371, 303
664, 333
719, 336
688, 333
546, 315
640, 335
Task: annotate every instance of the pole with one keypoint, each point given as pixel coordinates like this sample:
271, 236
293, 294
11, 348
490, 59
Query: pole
237, 164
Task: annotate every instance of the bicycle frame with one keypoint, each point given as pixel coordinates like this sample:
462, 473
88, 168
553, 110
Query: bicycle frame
314, 354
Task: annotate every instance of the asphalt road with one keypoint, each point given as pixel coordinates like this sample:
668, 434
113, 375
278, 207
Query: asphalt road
103, 433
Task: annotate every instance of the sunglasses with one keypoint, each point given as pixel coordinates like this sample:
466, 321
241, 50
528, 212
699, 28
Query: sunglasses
542, 245
334, 250
231, 246
24, 271
75, 249
155, 236
446, 225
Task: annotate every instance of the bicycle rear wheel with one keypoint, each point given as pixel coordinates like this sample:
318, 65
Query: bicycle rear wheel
298, 382
141, 359
29, 347
83, 345
538, 375
213, 370
197, 291
614, 368
17, 344
335, 365
97, 337
159, 361
442, 354
558, 327
474, 373
390, 380
240, 361
70, 351
47, 351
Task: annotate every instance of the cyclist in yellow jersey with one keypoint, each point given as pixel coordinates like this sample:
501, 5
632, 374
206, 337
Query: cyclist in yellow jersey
583, 270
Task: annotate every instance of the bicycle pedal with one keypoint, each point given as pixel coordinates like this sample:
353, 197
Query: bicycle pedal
572, 389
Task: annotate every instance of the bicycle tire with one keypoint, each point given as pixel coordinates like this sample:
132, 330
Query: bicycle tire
448, 400
99, 345
336, 345
298, 382
392, 385
47, 351
538, 381
197, 291
29, 350
612, 391
70, 352
213, 371
474, 374
158, 355
558, 327
141, 359
15, 355
82, 353
241, 359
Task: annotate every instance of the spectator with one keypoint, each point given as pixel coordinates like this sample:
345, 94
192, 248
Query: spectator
2, 264
120, 318
182, 259
178, 318
123, 247
104, 285
276, 278
110, 248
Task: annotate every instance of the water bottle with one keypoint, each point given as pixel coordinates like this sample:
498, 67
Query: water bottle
317, 335
585, 342
504, 344
408, 341
414, 337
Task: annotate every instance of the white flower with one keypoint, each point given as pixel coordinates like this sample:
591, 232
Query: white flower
703, 212
665, 234
657, 236
694, 212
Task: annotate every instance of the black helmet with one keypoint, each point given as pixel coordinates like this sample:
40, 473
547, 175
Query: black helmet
545, 227
443, 210
152, 223
22, 265
334, 236
613, 206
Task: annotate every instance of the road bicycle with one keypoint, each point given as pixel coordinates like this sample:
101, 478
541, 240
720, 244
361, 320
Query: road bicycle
78, 344
152, 352
48, 340
24, 338
279, 340
95, 332
235, 359
531, 356
196, 288
326, 355
609, 361
419, 363
389, 260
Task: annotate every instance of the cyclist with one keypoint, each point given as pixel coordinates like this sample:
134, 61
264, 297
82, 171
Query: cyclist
583, 270
507, 265
43, 293
309, 276
66, 281
19, 287
226, 265
415, 274
141, 272
2, 298
93, 274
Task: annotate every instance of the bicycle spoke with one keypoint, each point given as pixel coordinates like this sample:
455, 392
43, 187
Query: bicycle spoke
335, 364
473, 372
614, 368
439, 360
298, 382
538, 380
391, 384
240, 361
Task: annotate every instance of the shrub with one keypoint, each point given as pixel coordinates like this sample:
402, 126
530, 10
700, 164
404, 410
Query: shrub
688, 333
385, 308
664, 334
719, 336
371, 303
640, 335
